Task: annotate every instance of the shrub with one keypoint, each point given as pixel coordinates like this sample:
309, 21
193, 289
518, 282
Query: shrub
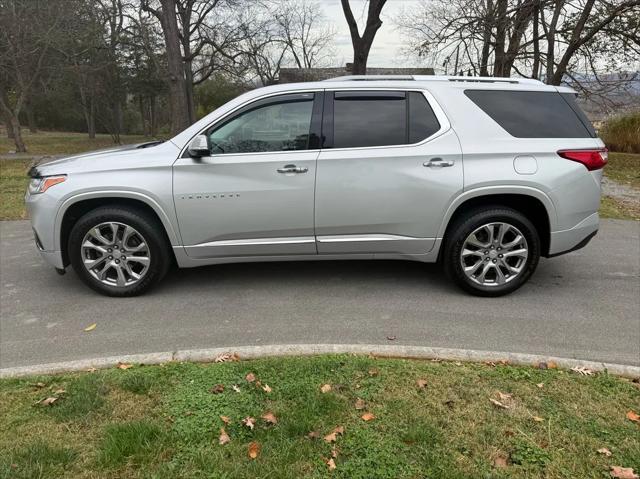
622, 133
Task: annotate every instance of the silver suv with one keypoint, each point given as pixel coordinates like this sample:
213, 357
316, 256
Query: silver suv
484, 175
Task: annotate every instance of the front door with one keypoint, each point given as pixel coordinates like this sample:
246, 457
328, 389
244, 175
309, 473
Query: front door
389, 168
254, 194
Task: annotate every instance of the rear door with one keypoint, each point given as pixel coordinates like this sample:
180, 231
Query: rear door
389, 168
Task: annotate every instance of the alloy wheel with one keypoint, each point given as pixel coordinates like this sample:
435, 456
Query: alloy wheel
494, 254
115, 254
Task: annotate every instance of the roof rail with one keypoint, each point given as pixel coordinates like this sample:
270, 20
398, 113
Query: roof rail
371, 78
514, 81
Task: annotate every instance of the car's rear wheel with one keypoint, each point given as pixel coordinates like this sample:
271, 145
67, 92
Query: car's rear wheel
118, 251
491, 251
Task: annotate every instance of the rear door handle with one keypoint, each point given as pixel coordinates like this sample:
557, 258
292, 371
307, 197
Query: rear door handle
292, 169
437, 163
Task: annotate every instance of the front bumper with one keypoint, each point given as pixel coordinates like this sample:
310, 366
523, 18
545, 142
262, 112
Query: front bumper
42, 209
574, 238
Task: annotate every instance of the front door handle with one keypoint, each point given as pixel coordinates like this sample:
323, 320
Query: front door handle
437, 163
292, 169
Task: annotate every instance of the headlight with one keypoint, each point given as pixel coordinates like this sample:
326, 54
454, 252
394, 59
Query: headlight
40, 185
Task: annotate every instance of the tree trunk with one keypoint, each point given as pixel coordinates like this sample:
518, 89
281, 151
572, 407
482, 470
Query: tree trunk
7, 123
91, 119
177, 89
551, 40
535, 69
17, 135
486, 40
501, 37
188, 85
153, 120
362, 44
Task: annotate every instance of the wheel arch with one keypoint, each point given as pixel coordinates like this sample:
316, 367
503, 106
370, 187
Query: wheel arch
534, 204
78, 205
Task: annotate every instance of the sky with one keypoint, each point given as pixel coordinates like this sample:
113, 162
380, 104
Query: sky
387, 46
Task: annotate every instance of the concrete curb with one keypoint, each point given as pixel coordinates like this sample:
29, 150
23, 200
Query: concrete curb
253, 352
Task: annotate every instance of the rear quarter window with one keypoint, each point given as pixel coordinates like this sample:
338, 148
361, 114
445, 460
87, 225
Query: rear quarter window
533, 114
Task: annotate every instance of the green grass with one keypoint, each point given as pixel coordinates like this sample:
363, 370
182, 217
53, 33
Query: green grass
167, 425
13, 185
61, 143
624, 168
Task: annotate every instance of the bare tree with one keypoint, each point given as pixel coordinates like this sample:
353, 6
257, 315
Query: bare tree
24, 45
178, 99
362, 43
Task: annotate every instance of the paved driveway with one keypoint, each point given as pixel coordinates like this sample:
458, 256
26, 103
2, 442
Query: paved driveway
584, 305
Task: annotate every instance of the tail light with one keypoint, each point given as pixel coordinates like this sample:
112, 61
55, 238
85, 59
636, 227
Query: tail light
592, 159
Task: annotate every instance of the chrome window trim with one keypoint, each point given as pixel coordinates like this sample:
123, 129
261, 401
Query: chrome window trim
445, 125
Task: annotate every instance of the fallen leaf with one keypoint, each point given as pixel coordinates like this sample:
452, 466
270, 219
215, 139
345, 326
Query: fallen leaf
325, 388
91, 327
226, 357
504, 396
250, 377
490, 364
367, 416
498, 403
360, 404
124, 366
538, 419
39, 385
331, 463
270, 418
334, 453
632, 416
266, 388
623, 473
582, 370
217, 389
225, 419
224, 437
334, 434
313, 435
421, 383
392, 338
552, 365
540, 385
91, 370
235, 388
48, 401
254, 450
249, 421
500, 461
59, 392
605, 451
373, 372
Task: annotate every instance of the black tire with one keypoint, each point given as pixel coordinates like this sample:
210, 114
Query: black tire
467, 224
160, 258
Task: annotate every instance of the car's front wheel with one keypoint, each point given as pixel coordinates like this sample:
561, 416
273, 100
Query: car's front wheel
491, 251
118, 251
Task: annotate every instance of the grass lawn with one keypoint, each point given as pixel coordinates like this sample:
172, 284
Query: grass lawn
13, 185
167, 421
56, 143
624, 168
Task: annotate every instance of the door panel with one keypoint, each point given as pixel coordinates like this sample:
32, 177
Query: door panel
384, 200
237, 205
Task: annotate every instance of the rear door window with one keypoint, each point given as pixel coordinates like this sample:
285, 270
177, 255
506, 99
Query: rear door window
422, 120
533, 114
373, 118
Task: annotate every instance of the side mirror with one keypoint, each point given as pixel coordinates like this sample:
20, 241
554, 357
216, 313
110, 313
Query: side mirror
199, 147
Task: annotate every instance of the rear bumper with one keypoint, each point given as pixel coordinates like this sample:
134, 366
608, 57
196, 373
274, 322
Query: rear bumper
575, 238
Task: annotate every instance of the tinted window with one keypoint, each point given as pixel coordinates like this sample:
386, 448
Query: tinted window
369, 119
422, 121
528, 114
570, 98
278, 125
